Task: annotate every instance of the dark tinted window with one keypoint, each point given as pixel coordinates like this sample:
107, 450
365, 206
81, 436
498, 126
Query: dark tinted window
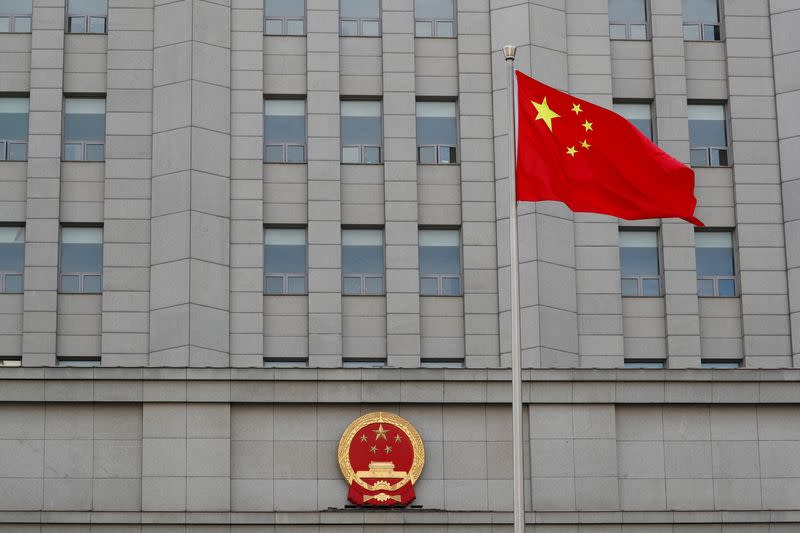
285, 250
639, 115
12, 258
84, 119
362, 251
707, 125
436, 123
82, 250
361, 122
639, 267
14, 119
439, 252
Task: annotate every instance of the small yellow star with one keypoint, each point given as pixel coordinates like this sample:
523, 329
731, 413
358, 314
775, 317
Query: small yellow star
363, 438
587, 125
387, 449
585, 144
577, 108
397, 438
571, 150
380, 433
374, 449
543, 112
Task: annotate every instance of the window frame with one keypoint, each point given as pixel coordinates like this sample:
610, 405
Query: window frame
647, 29
81, 275
360, 21
455, 148
5, 359
286, 146
434, 24
640, 279
87, 21
361, 147
284, 21
702, 25
83, 144
709, 149
287, 275
716, 279
6, 273
440, 277
6, 143
363, 276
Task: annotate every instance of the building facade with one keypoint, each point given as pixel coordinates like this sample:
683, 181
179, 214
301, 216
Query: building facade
231, 227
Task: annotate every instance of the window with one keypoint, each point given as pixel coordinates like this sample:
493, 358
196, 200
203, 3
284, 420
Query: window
81, 265
627, 19
284, 131
84, 129
15, 16
439, 262
12, 258
638, 263
10, 361
360, 18
362, 131
639, 115
86, 16
644, 363
701, 20
13, 129
285, 261
77, 361
273, 362
284, 17
363, 363
436, 132
441, 363
722, 363
434, 18
708, 140
714, 255
362, 261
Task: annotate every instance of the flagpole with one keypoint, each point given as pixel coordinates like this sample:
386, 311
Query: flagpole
510, 52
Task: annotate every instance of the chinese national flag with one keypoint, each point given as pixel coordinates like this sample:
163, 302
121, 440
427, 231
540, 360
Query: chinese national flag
594, 160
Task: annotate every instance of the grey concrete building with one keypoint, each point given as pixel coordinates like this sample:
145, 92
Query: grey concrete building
230, 227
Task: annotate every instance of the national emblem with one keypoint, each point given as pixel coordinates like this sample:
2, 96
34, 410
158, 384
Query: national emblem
385, 475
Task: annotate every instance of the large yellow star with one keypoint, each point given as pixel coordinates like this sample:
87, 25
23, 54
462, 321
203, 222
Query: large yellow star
587, 125
543, 112
577, 108
380, 433
571, 150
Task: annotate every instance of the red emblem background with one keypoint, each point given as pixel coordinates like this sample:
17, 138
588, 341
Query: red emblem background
381, 456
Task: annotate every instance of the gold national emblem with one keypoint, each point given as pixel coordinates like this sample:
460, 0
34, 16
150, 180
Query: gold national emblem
381, 456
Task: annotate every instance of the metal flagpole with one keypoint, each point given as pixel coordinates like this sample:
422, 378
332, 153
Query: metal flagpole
510, 52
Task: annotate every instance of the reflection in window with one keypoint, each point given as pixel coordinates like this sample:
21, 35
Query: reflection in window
12, 258
15, 16
439, 262
434, 18
639, 115
13, 129
362, 131
284, 17
362, 261
638, 263
360, 18
701, 20
87, 16
284, 131
284, 261
715, 269
436, 132
84, 129
627, 19
81, 264
708, 140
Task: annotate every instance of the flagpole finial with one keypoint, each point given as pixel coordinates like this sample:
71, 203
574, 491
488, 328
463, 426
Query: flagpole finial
510, 51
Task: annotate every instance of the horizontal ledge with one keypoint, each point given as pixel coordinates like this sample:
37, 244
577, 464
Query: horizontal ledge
419, 516
393, 386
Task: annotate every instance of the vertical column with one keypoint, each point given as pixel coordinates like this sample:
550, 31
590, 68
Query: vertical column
600, 337
478, 215
43, 184
247, 184
400, 183
324, 186
785, 58
126, 230
189, 320
672, 130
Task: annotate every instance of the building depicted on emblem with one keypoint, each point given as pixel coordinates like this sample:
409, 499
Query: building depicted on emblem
254, 270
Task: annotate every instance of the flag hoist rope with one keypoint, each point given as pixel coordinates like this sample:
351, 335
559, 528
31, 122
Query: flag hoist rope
510, 52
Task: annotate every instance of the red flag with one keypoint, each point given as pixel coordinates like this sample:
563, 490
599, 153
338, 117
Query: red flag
594, 160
